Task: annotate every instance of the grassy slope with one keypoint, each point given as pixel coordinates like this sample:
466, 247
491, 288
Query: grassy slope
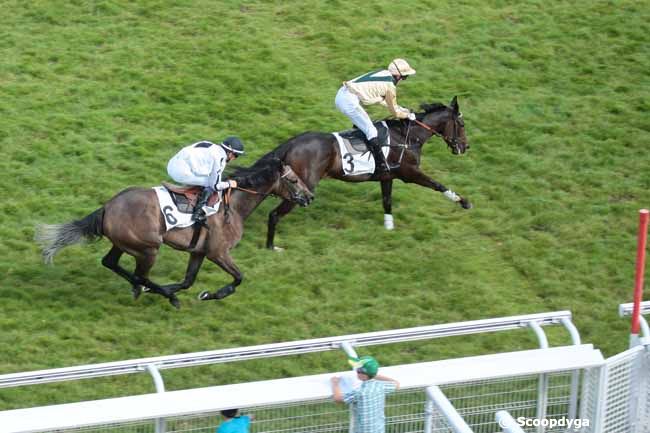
97, 97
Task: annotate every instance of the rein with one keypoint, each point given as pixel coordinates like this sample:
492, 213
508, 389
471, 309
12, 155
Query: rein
250, 191
453, 140
432, 131
226, 196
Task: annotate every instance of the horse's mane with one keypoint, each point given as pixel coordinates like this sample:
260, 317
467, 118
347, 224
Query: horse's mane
435, 106
263, 172
428, 108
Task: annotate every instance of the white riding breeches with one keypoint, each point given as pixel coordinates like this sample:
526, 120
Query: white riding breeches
179, 170
348, 104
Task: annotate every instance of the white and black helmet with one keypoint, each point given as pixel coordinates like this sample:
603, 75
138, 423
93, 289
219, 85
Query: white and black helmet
234, 145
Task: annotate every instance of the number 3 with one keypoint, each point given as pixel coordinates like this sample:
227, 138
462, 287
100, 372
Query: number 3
349, 159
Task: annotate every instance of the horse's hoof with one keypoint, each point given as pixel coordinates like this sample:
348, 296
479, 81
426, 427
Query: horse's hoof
224, 291
466, 204
278, 249
204, 296
137, 291
175, 302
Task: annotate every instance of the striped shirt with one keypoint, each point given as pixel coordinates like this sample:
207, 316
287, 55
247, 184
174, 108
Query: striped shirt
368, 405
377, 87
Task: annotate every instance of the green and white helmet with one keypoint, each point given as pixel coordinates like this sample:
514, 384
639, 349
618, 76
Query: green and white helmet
366, 365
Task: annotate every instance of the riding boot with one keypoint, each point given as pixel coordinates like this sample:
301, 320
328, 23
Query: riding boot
381, 166
198, 214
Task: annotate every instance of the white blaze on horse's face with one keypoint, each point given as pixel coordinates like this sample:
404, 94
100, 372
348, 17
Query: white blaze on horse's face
293, 188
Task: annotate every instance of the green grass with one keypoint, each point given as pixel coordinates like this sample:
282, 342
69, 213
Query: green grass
96, 96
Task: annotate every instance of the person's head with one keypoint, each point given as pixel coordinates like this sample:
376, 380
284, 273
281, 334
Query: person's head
400, 69
233, 147
366, 367
229, 413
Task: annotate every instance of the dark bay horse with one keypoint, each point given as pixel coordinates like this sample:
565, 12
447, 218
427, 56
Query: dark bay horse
134, 224
316, 155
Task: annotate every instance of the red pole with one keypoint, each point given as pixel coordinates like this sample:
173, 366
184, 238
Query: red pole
640, 269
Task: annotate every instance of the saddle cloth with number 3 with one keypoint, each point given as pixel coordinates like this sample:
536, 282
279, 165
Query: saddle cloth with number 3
356, 159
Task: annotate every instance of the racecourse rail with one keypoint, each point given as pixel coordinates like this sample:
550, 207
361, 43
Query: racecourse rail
627, 309
459, 395
445, 396
154, 364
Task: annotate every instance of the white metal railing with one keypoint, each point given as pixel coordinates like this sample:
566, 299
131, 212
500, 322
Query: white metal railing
154, 364
439, 410
477, 386
627, 309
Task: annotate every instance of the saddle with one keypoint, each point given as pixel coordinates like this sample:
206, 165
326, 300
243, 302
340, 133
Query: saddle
185, 197
357, 138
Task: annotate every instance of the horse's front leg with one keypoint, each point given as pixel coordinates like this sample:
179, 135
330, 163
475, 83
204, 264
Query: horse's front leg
274, 217
387, 201
226, 263
193, 266
416, 176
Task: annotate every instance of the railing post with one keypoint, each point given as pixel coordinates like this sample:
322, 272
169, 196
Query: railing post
601, 399
160, 388
428, 415
575, 375
542, 386
453, 418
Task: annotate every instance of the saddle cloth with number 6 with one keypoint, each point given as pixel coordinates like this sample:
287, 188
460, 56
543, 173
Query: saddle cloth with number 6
175, 217
356, 159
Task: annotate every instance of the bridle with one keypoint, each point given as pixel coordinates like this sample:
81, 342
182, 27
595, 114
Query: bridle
451, 141
226, 196
250, 191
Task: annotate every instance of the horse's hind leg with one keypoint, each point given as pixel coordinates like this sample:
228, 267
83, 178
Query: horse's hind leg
274, 217
144, 263
111, 261
138, 280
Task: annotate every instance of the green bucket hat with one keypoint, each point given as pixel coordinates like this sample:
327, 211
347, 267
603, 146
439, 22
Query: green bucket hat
366, 365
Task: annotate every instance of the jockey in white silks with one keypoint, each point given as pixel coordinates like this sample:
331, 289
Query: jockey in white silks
202, 164
378, 87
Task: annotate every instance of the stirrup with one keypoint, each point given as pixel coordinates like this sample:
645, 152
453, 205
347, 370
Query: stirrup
199, 215
382, 168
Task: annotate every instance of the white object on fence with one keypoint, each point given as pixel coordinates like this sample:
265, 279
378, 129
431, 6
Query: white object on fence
507, 422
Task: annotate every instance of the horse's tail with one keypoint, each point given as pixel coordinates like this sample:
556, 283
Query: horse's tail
53, 237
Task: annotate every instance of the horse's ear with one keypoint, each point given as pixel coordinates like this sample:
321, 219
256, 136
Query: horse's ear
454, 104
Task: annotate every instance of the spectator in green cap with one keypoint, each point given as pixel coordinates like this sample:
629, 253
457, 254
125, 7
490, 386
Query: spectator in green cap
369, 399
